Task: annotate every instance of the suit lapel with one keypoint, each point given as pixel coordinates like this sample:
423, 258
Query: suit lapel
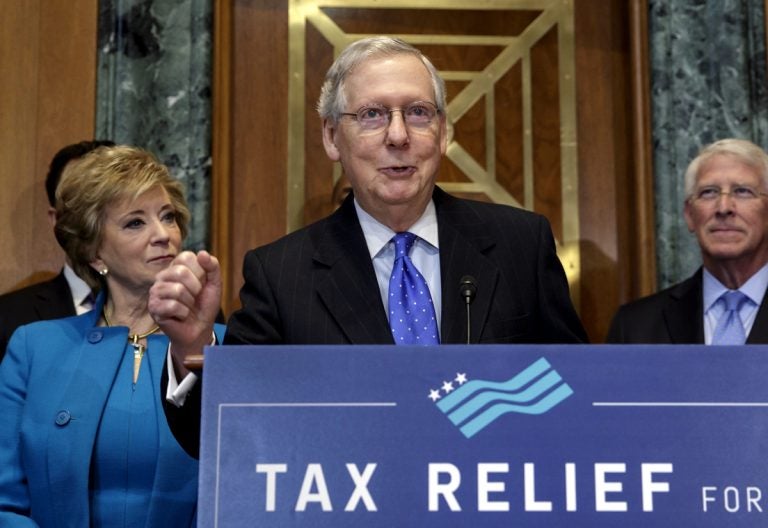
759, 333
684, 313
463, 243
94, 365
173, 470
348, 279
55, 301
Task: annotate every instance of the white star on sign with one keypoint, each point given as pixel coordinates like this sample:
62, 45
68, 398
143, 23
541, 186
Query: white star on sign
434, 395
461, 378
447, 386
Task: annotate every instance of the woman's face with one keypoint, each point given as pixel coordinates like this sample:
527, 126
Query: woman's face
140, 238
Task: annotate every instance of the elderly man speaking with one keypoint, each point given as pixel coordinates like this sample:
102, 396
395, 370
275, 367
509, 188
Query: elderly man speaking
386, 267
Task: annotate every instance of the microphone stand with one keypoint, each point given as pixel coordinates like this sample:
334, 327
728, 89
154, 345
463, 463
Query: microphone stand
468, 290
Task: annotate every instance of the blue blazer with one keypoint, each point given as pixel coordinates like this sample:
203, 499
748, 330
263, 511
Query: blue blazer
54, 383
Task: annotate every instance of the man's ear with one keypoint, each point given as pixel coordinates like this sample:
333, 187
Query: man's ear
52, 216
687, 215
443, 134
329, 140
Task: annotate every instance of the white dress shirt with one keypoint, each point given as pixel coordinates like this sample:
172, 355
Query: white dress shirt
81, 292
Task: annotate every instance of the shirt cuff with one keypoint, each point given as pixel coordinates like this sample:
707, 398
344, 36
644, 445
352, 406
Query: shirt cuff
176, 393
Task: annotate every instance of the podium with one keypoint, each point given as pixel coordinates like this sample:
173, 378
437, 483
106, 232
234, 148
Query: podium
491, 436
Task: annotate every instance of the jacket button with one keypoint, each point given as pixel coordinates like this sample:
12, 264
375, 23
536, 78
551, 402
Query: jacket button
94, 336
63, 418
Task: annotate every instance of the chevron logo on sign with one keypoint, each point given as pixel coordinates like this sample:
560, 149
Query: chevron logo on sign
477, 403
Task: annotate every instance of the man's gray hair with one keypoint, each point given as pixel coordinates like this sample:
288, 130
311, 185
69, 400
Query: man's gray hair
332, 101
740, 149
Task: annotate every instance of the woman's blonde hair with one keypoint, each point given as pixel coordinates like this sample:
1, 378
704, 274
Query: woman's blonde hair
101, 178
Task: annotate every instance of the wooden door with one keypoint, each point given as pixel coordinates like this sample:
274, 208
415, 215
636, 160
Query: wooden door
47, 101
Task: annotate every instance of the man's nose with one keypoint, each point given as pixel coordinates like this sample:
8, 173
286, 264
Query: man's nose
397, 132
724, 202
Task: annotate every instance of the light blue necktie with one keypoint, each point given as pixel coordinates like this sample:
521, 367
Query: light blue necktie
730, 329
411, 312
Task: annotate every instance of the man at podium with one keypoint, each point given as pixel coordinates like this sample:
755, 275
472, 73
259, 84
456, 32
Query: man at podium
400, 261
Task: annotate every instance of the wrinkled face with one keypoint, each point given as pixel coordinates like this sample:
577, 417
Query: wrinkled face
140, 238
730, 227
396, 166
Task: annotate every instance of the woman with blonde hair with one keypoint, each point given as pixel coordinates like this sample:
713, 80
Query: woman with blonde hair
85, 441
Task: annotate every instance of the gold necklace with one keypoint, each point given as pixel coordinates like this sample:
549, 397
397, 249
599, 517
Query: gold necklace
138, 348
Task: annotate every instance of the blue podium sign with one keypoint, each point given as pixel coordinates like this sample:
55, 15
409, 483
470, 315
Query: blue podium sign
491, 436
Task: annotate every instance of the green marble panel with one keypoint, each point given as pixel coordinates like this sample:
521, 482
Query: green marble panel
154, 90
708, 79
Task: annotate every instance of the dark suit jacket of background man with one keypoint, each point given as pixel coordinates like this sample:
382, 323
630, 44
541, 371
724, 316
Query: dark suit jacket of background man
51, 299
674, 316
318, 286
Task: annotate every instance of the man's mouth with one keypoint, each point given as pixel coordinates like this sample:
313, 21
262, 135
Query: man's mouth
399, 170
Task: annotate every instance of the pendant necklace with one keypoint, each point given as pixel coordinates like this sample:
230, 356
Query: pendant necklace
138, 348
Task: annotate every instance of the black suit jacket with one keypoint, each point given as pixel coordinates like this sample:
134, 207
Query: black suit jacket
318, 286
51, 299
674, 316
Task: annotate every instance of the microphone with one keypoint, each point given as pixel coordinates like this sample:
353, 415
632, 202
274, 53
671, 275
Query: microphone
468, 290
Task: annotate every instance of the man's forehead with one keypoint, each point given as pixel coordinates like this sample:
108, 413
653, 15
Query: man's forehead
395, 75
725, 166
378, 60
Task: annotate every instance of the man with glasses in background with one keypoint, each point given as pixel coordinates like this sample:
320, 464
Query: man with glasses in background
396, 242
726, 208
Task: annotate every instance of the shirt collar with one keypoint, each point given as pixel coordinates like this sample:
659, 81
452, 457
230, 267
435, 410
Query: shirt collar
377, 235
79, 288
754, 288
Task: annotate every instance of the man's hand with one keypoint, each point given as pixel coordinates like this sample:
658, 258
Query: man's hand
184, 301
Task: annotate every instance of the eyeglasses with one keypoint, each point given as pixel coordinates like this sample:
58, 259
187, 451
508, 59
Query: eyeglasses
374, 118
741, 193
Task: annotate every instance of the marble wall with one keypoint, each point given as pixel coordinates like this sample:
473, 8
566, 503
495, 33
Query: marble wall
708, 75
154, 89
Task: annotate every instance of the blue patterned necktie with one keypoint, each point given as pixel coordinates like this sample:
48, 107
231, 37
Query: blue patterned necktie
411, 312
730, 329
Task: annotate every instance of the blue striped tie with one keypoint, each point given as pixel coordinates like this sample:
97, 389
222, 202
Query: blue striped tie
411, 312
730, 329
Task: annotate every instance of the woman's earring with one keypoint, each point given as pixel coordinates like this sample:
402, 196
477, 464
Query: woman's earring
103, 272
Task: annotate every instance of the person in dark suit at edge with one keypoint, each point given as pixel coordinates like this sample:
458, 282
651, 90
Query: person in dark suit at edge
383, 111
64, 295
726, 208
